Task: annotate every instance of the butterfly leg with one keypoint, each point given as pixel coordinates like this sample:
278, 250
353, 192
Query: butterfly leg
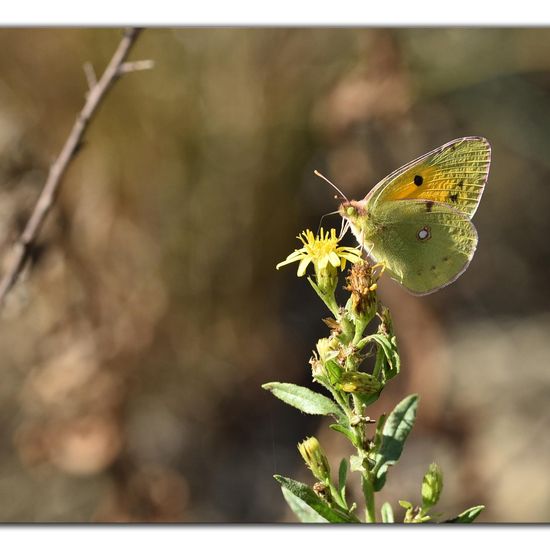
343, 228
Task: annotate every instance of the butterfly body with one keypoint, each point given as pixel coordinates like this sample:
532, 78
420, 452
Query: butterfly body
416, 221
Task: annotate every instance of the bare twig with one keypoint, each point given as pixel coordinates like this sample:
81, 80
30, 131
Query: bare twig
90, 75
132, 66
47, 196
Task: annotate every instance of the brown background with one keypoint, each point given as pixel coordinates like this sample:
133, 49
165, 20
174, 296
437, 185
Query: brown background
134, 350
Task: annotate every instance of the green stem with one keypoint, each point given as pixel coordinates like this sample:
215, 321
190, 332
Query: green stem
341, 400
329, 301
357, 406
368, 492
360, 326
366, 474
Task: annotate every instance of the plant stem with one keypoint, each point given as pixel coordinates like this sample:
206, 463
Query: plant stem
329, 301
368, 492
366, 474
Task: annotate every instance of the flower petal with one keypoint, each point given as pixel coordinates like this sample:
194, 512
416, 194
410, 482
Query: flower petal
303, 265
333, 258
323, 262
294, 257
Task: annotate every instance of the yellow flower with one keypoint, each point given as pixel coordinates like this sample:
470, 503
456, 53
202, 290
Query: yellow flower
322, 251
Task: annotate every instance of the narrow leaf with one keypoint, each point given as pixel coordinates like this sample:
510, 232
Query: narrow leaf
342, 478
387, 356
378, 432
305, 399
310, 500
305, 513
334, 371
346, 431
367, 400
387, 513
468, 516
396, 429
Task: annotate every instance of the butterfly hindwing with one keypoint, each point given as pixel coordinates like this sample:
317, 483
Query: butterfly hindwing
425, 245
453, 174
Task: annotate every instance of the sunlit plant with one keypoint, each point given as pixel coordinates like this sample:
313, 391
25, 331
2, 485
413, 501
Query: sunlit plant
339, 364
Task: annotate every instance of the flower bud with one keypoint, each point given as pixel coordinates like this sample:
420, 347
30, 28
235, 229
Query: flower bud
358, 382
321, 490
432, 485
326, 278
315, 458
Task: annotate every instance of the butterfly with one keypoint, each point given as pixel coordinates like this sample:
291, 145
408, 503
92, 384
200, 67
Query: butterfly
417, 221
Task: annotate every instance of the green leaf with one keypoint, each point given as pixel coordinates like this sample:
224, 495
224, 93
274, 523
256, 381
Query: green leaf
388, 361
396, 429
334, 371
367, 400
387, 513
405, 504
468, 516
305, 513
350, 434
342, 478
378, 432
305, 399
308, 506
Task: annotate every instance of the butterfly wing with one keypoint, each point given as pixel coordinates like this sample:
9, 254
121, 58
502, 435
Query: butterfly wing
425, 245
453, 174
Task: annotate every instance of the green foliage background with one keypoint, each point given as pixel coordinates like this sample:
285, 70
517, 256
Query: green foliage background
132, 357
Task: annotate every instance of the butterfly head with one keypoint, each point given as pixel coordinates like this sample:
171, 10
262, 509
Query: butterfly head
356, 218
353, 211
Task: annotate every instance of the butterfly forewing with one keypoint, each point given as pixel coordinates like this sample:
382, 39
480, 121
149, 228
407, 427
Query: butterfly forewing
453, 174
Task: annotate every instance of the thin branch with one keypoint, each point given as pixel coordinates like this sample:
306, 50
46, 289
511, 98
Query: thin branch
90, 75
132, 66
47, 196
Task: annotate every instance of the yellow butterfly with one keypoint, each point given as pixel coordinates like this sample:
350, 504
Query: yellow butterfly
416, 221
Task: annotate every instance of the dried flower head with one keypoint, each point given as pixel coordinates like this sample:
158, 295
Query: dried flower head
362, 283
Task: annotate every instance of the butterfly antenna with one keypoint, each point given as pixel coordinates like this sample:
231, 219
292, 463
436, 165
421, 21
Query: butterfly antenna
330, 183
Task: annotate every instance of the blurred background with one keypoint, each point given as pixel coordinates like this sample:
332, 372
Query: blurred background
133, 350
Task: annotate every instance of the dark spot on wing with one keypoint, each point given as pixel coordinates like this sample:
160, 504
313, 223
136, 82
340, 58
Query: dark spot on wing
432, 268
418, 180
453, 197
461, 184
429, 206
446, 259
